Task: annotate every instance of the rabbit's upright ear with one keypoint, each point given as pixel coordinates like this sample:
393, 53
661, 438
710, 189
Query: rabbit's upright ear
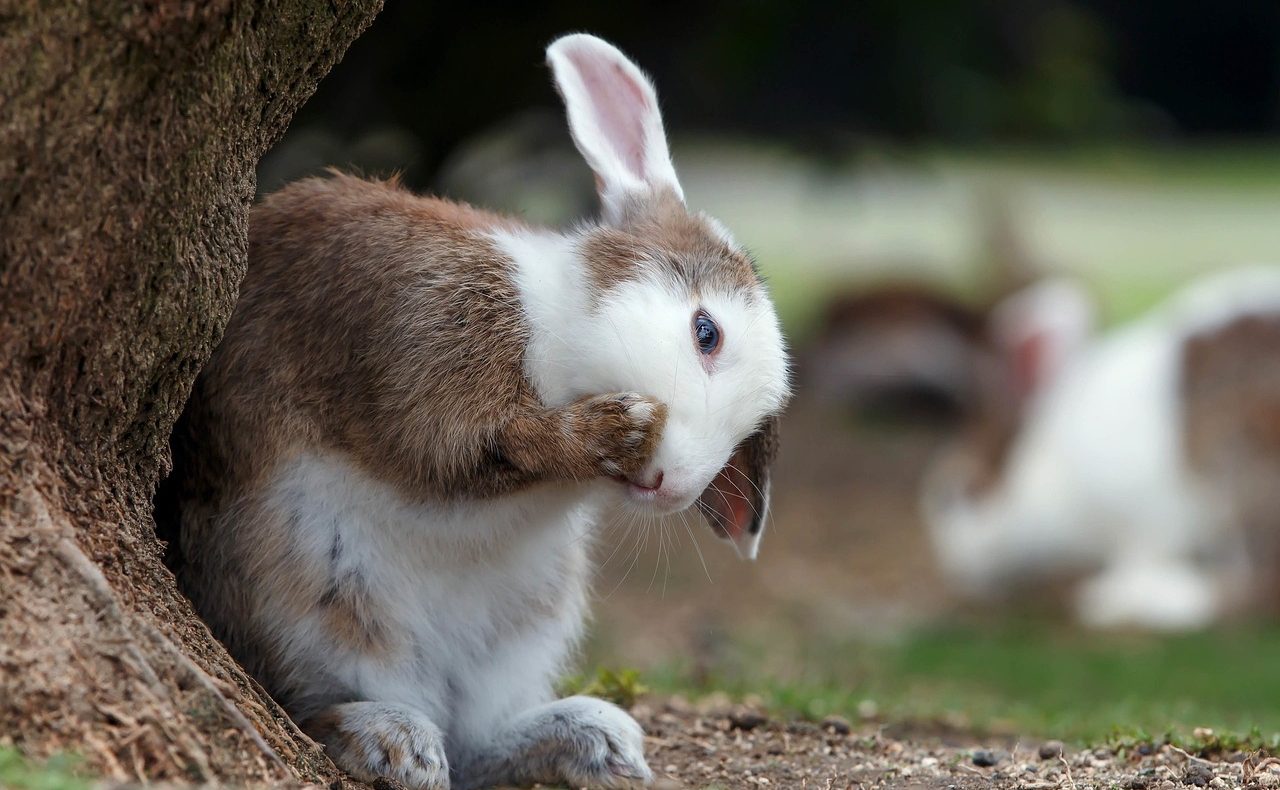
737, 501
1041, 328
615, 121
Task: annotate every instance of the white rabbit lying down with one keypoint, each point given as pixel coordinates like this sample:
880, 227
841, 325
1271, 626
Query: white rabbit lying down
1145, 456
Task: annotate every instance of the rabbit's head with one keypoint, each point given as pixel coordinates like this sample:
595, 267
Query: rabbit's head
663, 302
987, 502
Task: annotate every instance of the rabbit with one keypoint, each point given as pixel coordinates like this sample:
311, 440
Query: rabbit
914, 351
902, 350
388, 476
1143, 458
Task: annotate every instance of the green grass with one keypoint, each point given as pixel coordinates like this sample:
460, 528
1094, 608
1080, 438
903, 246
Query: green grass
58, 773
1135, 222
1025, 679
1241, 166
621, 686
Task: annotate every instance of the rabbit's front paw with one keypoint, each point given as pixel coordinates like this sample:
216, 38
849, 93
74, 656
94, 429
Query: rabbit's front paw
375, 739
620, 431
600, 745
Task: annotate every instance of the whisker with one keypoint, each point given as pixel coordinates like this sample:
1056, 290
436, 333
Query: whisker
639, 549
630, 526
696, 547
656, 563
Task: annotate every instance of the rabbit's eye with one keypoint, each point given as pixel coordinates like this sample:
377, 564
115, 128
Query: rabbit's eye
705, 333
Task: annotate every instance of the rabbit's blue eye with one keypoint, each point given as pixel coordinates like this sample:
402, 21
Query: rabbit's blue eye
706, 333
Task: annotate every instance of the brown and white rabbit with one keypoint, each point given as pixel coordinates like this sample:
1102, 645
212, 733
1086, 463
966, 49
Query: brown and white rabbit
1147, 457
905, 350
391, 469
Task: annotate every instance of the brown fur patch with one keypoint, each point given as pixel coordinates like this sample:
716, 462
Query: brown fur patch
324, 725
393, 750
328, 727
1231, 384
660, 236
901, 304
351, 618
903, 349
1231, 388
878, 345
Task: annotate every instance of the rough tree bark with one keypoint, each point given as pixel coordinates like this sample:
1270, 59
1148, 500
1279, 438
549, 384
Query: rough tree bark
129, 133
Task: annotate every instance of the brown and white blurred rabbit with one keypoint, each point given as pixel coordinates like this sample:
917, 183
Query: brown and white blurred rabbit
390, 471
1148, 456
905, 350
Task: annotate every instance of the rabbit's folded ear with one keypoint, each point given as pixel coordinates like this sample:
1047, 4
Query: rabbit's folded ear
736, 502
615, 121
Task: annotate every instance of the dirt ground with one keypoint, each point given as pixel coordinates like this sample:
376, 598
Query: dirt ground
719, 745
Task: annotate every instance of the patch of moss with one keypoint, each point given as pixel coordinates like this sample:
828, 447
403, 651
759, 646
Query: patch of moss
57, 773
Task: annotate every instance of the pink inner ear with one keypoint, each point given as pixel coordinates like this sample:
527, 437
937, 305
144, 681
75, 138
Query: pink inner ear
728, 498
1030, 356
619, 105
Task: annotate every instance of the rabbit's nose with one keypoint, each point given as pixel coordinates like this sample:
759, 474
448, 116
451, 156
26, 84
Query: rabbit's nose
650, 486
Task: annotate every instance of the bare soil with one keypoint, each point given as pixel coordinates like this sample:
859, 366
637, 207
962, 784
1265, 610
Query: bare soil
719, 745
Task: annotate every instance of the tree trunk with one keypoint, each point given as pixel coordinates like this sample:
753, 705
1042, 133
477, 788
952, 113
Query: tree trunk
129, 133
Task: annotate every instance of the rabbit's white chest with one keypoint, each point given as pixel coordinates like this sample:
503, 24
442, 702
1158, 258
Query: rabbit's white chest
448, 592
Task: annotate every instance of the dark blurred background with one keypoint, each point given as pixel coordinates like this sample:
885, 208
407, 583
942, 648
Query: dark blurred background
817, 76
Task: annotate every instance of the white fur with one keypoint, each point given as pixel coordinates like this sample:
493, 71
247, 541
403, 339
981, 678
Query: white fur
483, 602
1097, 476
1055, 313
450, 579
722, 232
638, 339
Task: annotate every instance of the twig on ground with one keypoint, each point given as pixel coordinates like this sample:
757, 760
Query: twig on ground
1067, 766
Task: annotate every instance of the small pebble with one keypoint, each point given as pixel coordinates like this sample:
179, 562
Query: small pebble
1051, 750
746, 719
985, 758
837, 724
1196, 774
803, 728
678, 704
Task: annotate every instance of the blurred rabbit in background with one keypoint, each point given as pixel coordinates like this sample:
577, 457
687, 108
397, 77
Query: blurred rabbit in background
1147, 456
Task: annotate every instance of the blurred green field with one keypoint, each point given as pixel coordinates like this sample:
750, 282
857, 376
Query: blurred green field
1020, 679
1134, 222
